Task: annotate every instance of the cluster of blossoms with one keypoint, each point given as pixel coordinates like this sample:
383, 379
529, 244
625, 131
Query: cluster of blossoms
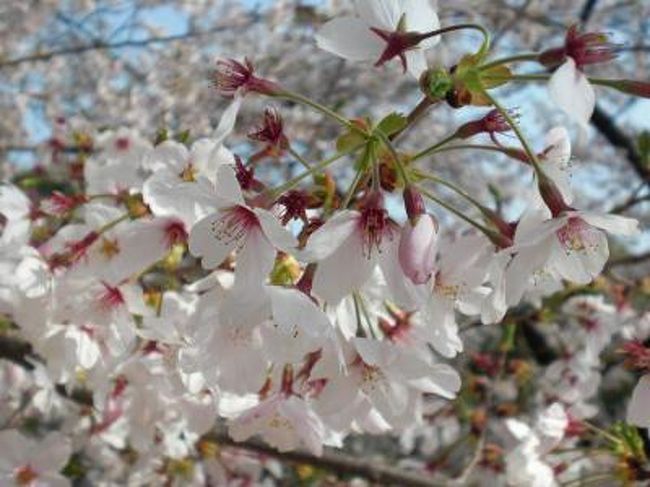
168, 289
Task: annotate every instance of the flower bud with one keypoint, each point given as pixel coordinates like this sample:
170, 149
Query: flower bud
413, 203
493, 122
417, 248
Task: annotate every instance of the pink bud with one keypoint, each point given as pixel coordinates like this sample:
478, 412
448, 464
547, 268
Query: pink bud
417, 248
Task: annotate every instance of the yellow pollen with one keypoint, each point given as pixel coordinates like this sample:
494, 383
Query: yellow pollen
109, 248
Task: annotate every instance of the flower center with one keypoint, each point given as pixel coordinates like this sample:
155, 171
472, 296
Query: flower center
374, 223
234, 224
577, 236
25, 475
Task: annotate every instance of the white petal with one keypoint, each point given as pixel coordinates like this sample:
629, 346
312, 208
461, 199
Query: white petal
571, 90
421, 17
254, 262
292, 307
227, 186
169, 155
638, 410
228, 119
344, 271
279, 236
324, 241
416, 62
350, 38
614, 224
203, 242
441, 379
384, 14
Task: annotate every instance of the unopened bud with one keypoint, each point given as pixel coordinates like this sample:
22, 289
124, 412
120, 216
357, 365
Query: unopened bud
414, 203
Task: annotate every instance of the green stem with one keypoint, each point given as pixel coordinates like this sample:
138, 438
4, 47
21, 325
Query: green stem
316, 106
529, 56
434, 147
312, 170
486, 35
491, 148
452, 186
489, 233
299, 158
105, 228
353, 187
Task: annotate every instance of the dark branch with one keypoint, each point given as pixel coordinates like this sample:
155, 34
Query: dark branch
615, 136
339, 463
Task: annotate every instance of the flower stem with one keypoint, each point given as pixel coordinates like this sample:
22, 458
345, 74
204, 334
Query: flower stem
295, 97
434, 148
312, 170
298, 157
486, 35
450, 185
489, 233
529, 56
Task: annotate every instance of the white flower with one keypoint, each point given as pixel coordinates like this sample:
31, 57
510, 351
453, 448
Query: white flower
254, 233
31, 462
383, 29
350, 245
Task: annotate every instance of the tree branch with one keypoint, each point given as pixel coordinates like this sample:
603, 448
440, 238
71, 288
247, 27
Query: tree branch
339, 463
103, 46
615, 136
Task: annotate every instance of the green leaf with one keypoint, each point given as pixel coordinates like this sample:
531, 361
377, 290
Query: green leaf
349, 140
392, 124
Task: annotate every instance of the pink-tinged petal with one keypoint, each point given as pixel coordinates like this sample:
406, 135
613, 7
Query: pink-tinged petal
580, 252
384, 14
417, 249
227, 187
228, 119
328, 238
571, 90
279, 236
204, 241
350, 38
421, 17
638, 410
254, 262
614, 224
344, 271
